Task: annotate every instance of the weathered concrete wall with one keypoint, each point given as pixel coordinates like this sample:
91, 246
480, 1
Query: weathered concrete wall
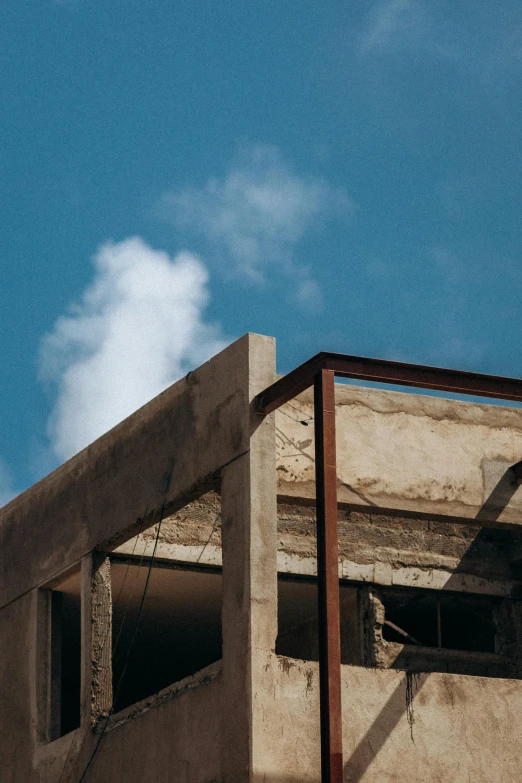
201, 431
249, 604
174, 736
408, 451
429, 728
400, 549
417, 478
404, 549
159, 455
17, 690
405, 463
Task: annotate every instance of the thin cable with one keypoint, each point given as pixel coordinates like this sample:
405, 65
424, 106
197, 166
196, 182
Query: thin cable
298, 410
129, 649
127, 607
214, 526
298, 421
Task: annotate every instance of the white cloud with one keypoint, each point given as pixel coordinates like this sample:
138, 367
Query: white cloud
138, 328
389, 20
7, 491
471, 37
254, 216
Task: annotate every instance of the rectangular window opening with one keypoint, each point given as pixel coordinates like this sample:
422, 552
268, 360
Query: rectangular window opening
438, 620
166, 601
175, 633
61, 641
298, 631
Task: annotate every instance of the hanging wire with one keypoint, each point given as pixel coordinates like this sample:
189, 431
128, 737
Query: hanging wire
298, 410
205, 545
136, 628
129, 648
304, 422
129, 602
214, 526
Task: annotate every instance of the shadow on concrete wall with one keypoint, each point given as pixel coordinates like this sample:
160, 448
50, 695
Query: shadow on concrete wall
506, 541
400, 702
500, 496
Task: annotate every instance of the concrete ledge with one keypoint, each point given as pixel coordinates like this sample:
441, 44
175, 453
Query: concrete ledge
202, 677
165, 454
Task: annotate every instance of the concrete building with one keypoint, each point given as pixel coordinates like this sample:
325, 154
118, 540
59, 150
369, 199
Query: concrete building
158, 596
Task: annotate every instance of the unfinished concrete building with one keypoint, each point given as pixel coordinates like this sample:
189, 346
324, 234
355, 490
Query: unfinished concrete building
159, 604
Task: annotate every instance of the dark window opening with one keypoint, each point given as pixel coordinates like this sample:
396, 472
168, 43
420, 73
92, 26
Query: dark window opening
178, 634
453, 622
298, 632
64, 657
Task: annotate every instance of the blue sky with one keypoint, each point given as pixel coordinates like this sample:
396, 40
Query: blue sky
341, 176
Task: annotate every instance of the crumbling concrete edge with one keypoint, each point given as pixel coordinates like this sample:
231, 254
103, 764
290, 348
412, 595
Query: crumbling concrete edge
202, 677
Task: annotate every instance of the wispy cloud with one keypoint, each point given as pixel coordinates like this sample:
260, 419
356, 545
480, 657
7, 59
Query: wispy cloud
475, 38
390, 22
308, 294
254, 216
138, 327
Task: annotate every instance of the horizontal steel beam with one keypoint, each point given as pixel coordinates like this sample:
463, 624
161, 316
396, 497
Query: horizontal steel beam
320, 371
383, 371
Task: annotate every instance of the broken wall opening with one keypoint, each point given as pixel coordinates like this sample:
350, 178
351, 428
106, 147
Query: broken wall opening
427, 630
174, 632
471, 611
298, 630
440, 620
413, 629
166, 595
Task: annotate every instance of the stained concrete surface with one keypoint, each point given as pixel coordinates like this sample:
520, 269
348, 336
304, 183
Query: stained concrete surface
414, 474
158, 455
18, 673
404, 451
396, 729
178, 740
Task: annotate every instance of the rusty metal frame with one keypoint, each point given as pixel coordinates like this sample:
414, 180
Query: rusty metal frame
320, 371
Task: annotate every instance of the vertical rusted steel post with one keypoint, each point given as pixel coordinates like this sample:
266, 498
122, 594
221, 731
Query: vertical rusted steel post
328, 579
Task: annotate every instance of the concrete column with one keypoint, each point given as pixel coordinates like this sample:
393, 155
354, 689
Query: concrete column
249, 614
96, 684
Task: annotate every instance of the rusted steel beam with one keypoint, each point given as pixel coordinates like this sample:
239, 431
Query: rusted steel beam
320, 371
383, 371
328, 579
423, 377
289, 386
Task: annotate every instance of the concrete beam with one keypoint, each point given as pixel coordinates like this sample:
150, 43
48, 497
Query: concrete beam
163, 453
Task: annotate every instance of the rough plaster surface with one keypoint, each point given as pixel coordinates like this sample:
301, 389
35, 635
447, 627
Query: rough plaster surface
163, 456
258, 720
175, 740
398, 549
401, 549
131, 472
454, 728
405, 451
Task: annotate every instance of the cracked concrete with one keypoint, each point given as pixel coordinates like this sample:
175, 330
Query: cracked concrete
404, 451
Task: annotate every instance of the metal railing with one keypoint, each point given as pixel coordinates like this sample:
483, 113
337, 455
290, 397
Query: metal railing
320, 372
